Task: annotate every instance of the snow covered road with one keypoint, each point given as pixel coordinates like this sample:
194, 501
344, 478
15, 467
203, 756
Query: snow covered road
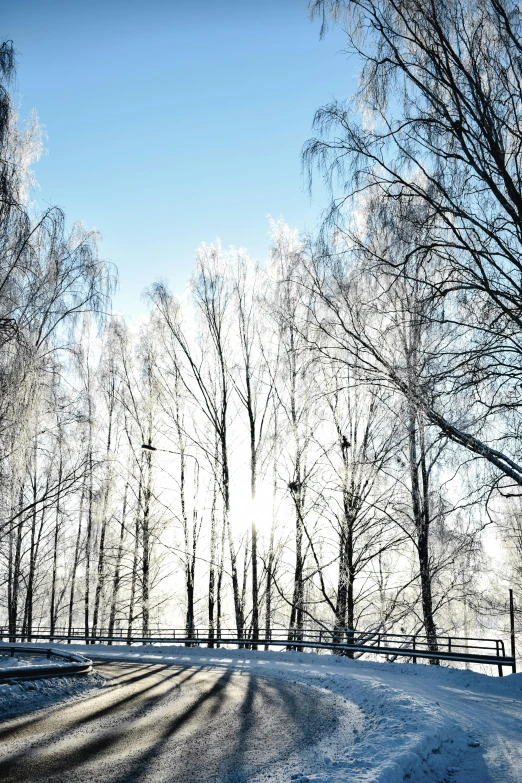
168, 723
234, 716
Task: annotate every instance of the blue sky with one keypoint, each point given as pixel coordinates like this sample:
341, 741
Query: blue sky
173, 123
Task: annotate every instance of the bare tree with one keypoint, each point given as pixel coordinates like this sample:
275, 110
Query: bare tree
440, 88
294, 390
254, 388
365, 442
210, 375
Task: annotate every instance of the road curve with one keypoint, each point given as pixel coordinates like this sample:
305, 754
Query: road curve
158, 723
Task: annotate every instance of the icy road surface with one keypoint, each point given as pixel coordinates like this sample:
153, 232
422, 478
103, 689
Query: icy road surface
167, 723
237, 716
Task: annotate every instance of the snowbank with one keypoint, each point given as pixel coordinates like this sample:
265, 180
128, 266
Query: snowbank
18, 698
17, 661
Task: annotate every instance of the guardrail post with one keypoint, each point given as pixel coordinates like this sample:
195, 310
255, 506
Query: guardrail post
48, 653
414, 659
500, 672
512, 629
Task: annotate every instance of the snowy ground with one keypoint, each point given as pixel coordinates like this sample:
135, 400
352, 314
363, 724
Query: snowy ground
19, 698
400, 722
15, 661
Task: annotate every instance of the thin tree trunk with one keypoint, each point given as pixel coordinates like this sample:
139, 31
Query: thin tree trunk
75, 568
220, 582
10, 579
269, 580
213, 561
195, 535
116, 579
296, 489
88, 544
100, 580
345, 608
271, 556
105, 510
253, 487
255, 578
36, 537
189, 543
145, 574
16, 572
88, 540
238, 610
421, 516
52, 611
245, 579
27, 627
296, 615
342, 589
134, 573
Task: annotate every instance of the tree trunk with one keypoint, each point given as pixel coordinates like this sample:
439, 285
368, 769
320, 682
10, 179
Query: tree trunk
75, 569
195, 534
52, 610
296, 615
116, 579
188, 540
134, 573
16, 572
345, 609
88, 543
27, 626
271, 555
213, 561
253, 487
220, 582
245, 580
145, 573
238, 609
105, 510
421, 516
295, 630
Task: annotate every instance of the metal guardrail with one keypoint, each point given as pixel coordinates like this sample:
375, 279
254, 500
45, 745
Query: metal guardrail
413, 646
76, 664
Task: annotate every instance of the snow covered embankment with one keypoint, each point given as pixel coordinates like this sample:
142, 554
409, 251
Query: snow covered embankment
420, 722
19, 697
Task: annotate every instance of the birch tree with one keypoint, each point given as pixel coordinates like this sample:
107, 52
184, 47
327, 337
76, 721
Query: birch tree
436, 123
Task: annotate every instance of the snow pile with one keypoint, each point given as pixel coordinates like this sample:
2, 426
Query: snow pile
15, 661
18, 698
418, 722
